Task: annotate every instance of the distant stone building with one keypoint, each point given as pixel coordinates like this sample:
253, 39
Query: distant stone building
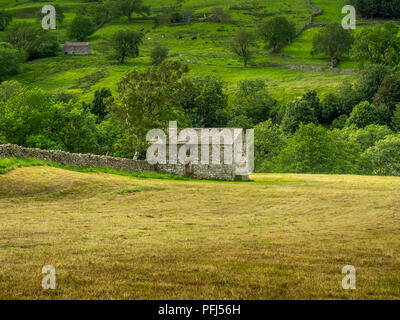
77, 48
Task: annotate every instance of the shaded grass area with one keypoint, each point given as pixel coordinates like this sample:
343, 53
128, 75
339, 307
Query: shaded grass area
284, 237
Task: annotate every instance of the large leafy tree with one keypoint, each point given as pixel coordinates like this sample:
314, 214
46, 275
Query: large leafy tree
81, 28
205, 102
276, 32
241, 45
147, 99
333, 41
389, 92
126, 8
363, 114
126, 44
252, 100
378, 44
297, 112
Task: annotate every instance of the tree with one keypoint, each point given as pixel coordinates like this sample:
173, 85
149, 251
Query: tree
126, 44
252, 100
5, 19
219, 15
396, 119
378, 44
269, 140
158, 54
389, 92
330, 106
311, 97
241, 45
384, 157
370, 80
297, 112
276, 32
126, 8
98, 105
368, 136
334, 41
32, 41
81, 28
146, 100
314, 149
363, 114
10, 61
205, 102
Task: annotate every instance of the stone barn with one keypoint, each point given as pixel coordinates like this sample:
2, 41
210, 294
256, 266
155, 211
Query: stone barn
77, 48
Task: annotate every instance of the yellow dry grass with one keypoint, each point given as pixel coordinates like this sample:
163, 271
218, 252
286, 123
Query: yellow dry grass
280, 237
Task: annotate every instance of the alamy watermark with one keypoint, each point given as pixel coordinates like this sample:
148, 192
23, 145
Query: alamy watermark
349, 21
49, 20
349, 281
49, 280
202, 146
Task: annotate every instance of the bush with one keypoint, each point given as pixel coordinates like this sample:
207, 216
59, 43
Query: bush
363, 114
158, 54
81, 28
370, 80
299, 111
384, 157
340, 122
10, 62
32, 41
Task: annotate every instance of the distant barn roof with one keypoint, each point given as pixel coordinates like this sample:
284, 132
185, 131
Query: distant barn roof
77, 44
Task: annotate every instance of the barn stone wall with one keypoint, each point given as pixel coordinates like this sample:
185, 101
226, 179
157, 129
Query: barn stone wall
218, 172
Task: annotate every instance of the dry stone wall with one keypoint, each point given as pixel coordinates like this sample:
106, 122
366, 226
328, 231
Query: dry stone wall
218, 172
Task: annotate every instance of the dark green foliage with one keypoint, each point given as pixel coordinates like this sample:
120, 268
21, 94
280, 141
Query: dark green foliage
363, 114
126, 44
98, 105
252, 101
386, 9
276, 32
389, 92
370, 80
158, 54
312, 98
32, 41
339, 122
396, 119
10, 61
205, 102
334, 41
81, 28
331, 108
297, 112
5, 19
219, 15
126, 8
379, 44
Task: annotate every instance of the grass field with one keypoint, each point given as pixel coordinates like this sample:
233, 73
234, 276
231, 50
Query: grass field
81, 74
279, 237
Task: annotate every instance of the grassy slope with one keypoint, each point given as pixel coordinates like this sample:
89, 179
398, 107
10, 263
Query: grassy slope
79, 74
283, 236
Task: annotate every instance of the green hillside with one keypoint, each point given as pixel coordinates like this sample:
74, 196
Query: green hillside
209, 52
